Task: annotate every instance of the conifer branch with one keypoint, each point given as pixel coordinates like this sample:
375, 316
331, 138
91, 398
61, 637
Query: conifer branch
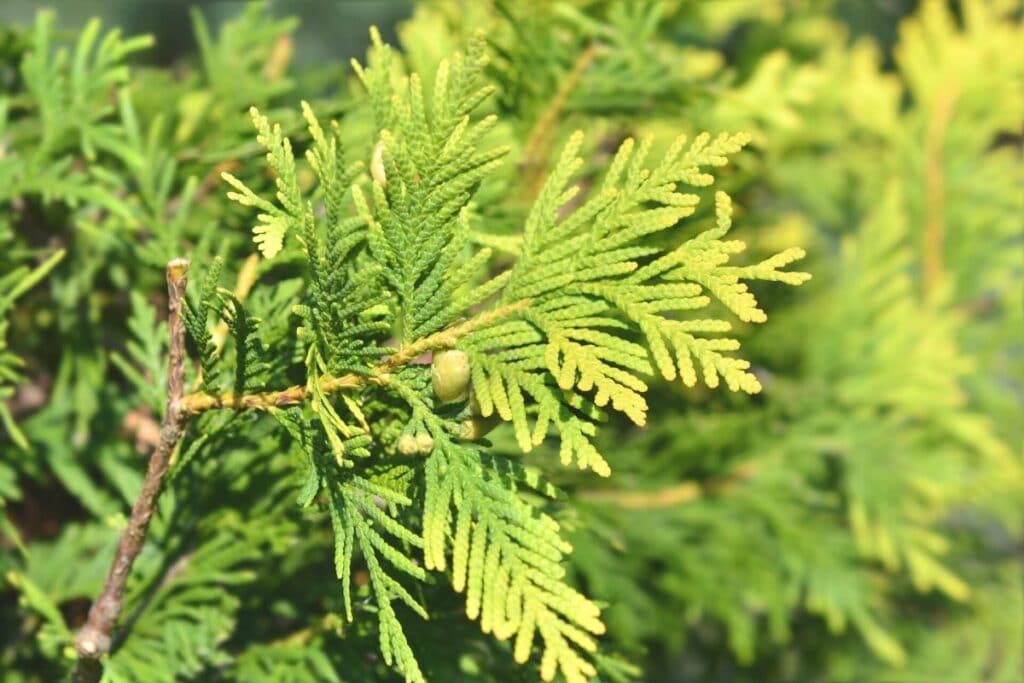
200, 402
94, 639
449, 337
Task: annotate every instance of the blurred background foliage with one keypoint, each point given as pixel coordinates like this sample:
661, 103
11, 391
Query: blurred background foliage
857, 521
335, 31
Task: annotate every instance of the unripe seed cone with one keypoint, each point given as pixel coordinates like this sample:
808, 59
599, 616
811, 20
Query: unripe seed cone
450, 375
419, 444
424, 443
407, 445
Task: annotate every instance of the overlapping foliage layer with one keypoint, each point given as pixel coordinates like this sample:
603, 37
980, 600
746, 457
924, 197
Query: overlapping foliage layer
572, 288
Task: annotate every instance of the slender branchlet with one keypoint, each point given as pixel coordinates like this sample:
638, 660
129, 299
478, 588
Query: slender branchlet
200, 402
94, 639
541, 138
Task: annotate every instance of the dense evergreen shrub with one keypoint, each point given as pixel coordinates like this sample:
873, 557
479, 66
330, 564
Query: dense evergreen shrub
429, 368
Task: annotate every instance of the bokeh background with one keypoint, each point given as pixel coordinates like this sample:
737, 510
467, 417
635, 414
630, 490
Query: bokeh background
326, 30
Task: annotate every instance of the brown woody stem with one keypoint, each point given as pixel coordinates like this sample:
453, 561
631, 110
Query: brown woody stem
94, 639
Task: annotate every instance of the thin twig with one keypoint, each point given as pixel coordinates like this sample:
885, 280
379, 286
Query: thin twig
656, 499
200, 402
671, 496
94, 639
538, 144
